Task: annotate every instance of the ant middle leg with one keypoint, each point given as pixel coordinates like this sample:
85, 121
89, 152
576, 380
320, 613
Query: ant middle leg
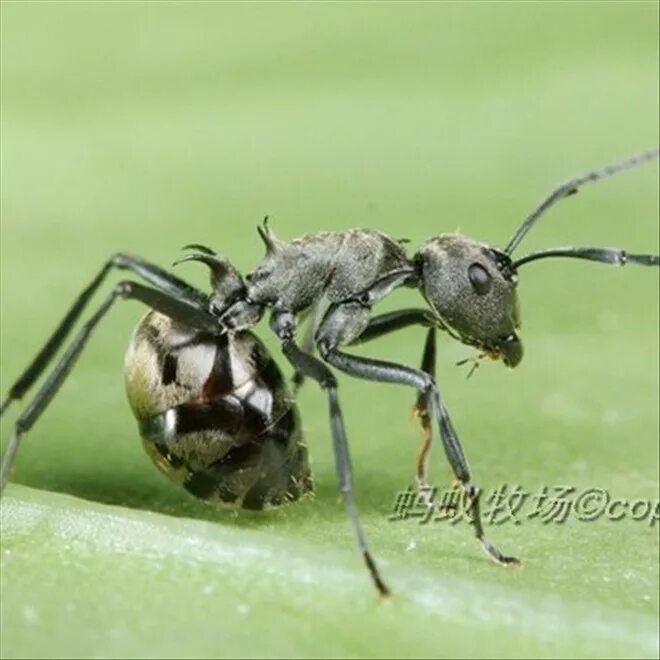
307, 345
284, 324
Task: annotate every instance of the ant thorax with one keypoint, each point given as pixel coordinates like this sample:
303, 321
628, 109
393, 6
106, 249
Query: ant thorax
339, 266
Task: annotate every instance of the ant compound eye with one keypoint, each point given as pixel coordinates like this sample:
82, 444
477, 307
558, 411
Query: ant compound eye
479, 278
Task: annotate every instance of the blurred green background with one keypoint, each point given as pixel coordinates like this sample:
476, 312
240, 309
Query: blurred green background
145, 126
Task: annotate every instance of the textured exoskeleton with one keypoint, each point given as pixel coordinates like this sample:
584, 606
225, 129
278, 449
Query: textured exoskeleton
480, 303
214, 411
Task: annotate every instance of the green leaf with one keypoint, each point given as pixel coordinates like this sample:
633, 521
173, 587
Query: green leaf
136, 584
146, 126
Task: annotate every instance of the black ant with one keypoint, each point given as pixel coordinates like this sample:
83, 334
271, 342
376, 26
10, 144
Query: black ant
213, 408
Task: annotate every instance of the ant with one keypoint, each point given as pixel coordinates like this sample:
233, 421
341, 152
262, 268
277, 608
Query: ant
214, 411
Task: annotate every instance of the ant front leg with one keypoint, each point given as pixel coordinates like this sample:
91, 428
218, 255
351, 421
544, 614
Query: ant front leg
177, 308
387, 323
423, 413
346, 321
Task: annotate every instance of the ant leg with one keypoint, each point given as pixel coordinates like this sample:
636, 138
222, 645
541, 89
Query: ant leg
345, 320
178, 309
384, 324
154, 275
308, 342
391, 322
422, 412
283, 323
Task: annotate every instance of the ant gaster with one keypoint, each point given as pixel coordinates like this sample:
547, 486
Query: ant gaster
214, 411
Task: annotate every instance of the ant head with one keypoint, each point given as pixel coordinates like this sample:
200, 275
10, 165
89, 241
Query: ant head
472, 288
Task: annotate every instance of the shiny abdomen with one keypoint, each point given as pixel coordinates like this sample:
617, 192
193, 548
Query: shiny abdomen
216, 415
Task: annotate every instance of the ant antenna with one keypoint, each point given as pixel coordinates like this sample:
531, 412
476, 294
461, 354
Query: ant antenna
570, 188
610, 256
